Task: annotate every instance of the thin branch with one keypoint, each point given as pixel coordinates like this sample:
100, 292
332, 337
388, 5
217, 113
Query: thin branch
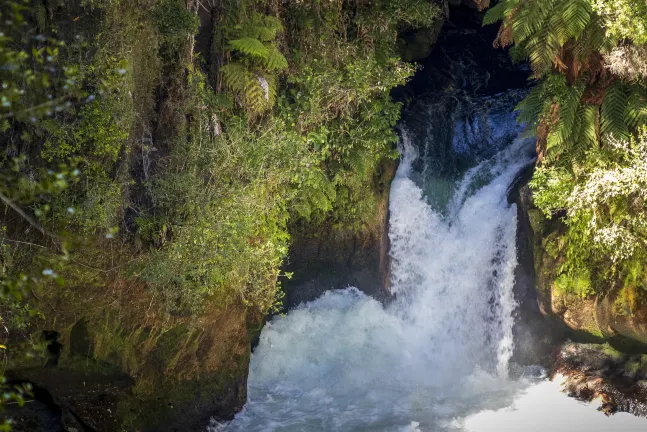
23, 242
24, 215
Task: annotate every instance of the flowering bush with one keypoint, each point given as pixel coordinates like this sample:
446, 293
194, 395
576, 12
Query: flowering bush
604, 203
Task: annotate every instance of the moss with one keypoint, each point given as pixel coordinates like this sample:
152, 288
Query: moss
214, 394
90, 366
632, 368
610, 351
537, 221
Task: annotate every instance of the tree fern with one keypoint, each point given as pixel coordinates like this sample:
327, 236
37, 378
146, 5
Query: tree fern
613, 111
541, 28
500, 11
275, 60
250, 46
593, 40
588, 134
236, 76
532, 106
265, 27
636, 109
256, 60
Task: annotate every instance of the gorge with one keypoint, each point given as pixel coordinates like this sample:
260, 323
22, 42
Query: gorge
276, 215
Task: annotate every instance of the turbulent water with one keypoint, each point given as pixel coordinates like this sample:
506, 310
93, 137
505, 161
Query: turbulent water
437, 358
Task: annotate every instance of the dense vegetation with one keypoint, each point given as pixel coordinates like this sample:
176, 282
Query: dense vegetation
588, 111
146, 142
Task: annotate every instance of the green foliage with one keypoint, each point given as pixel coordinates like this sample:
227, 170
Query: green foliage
205, 177
256, 59
236, 182
175, 23
604, 201
31, 87
586, 119
624, 19
540, 29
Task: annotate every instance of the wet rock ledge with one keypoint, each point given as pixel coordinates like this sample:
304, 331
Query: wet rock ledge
598, 373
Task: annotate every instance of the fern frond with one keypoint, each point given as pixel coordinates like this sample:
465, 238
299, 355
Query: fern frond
275, 60
590, 115
568, 110
612, 121
236, 76
532, 106
499, 11
531, 18
250, 46
636, 110
593, 39
573, 17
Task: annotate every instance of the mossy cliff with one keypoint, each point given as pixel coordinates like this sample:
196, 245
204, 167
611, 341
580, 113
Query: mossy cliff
157, 202
618, 314
594, 342
584, 209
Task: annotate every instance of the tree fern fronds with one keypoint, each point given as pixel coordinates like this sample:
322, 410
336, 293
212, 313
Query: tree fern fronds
574, 16
585, 136
250, 46
359, 163
542, 48
500, 11
612, 120
590, 115
275, 60
267, 28
236, 76
594, 39
636, 109
531, 18
568, 110
532, 106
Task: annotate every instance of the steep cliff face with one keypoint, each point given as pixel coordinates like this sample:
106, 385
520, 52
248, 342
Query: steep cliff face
604, 357
118, 361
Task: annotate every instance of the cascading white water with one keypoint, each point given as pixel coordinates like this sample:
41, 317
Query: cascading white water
435, 359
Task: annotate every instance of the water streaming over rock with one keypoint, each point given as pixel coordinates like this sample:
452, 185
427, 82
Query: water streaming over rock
436, 358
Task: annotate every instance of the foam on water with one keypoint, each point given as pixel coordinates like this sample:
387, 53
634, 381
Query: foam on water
436, 359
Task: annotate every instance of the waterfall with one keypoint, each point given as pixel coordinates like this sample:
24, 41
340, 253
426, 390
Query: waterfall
437, 357
345, 362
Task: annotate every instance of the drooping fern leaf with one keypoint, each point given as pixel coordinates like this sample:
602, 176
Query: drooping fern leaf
636, 110
275, 60
614, 106
532, 106
499, 11
236, 76
250, 46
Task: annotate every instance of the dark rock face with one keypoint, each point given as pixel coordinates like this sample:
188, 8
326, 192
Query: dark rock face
336, 259
69, 400
533, 339
130, 367
535, 334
